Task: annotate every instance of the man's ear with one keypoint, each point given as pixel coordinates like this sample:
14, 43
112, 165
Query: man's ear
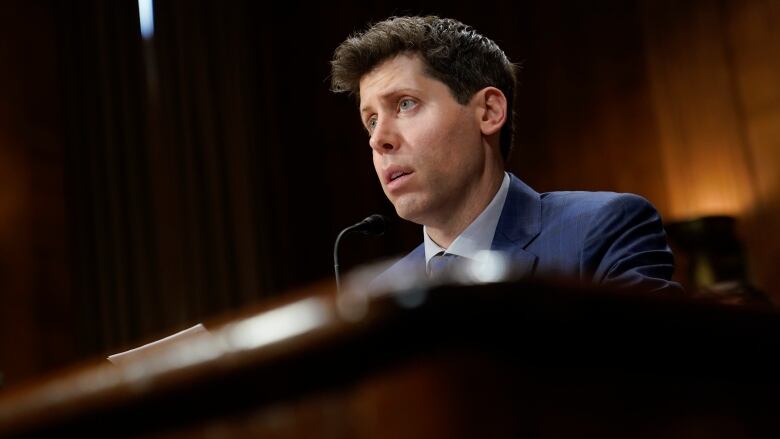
491, 103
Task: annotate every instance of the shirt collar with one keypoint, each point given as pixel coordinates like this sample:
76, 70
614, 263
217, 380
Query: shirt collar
478, 235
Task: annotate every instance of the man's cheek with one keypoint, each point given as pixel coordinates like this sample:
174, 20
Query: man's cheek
377, 167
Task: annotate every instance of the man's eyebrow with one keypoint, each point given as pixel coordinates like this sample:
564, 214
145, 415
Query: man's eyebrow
391, 94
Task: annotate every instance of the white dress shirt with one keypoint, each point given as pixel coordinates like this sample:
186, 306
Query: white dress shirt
478, 235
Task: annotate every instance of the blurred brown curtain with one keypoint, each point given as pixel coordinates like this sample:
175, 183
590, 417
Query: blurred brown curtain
163, 176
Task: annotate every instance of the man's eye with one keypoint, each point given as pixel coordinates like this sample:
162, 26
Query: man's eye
406, 104
371, 124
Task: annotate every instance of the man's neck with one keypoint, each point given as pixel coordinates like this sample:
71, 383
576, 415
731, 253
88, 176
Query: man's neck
474, 203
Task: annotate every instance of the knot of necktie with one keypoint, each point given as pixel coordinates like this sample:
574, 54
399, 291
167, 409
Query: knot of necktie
441, 264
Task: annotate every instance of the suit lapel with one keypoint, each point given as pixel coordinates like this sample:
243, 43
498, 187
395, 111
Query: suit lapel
405, 273
411, 266
520, 222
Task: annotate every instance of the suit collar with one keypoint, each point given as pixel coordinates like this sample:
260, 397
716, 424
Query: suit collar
521, 218
519, 224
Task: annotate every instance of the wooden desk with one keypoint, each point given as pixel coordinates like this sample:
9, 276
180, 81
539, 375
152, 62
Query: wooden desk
501, 360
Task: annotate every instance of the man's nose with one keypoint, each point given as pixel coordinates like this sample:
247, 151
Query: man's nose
384, 138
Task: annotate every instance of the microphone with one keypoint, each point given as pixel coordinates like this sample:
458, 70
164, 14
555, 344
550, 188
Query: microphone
373, 225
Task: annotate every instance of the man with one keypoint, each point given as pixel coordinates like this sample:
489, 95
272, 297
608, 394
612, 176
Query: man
436, 99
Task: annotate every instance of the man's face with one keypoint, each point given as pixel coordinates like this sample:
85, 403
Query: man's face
427, 148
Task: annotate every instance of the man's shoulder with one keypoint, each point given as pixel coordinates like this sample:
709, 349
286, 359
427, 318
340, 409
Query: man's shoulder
522, 198
563, 205
584, 200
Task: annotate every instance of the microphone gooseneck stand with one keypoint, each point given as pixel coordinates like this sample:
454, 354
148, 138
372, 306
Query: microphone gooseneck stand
373, 225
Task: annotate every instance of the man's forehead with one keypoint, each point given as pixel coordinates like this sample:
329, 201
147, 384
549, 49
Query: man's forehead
403, 72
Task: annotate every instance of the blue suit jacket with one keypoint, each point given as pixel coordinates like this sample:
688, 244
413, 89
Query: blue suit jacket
594, 237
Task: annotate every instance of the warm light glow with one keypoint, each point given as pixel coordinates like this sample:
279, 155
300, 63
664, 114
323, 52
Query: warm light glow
706, 175
714, 183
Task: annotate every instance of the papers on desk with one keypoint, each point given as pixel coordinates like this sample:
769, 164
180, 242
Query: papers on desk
133, 354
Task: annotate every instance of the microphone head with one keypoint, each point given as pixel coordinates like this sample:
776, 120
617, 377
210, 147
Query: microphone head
373, 225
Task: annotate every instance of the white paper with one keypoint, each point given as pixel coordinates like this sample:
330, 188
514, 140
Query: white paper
128, 356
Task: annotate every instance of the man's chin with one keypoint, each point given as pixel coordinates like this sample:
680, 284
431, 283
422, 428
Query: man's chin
412, 213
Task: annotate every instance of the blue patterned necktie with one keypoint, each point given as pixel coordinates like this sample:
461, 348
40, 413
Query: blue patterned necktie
440, 264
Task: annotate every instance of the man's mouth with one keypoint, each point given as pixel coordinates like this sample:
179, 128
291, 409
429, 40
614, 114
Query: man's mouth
396, 175
395, 172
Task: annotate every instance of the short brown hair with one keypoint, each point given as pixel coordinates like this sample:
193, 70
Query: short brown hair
453, 53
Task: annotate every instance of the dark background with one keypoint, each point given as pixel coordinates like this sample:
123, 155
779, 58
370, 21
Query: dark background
146, 185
